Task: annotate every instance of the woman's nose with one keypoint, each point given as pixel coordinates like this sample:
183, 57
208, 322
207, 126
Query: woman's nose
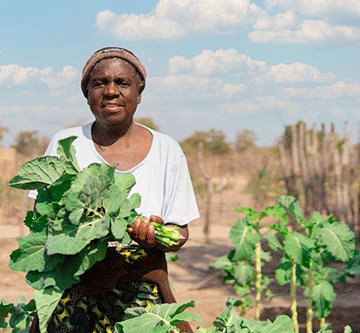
111, 89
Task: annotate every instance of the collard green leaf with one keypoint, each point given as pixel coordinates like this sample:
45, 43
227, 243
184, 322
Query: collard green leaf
229, 321
46, 301
74, 238
243, 272
281, 324
38, 173
298, 247
291, 205
5, 309
338, 239
67, 154
281, 229
144, 320
125, 181
243, 239
322, 298
283, 273
277, 212
118, 228
249, 212
30, 255
273, 241
221, 263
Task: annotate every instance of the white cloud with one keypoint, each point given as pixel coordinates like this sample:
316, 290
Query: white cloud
16, 74
192, 86
221, 61
175, 18
308, 31
61, 79
272, 102
13, 75
243, 107
318, 7
293, 73
337, 90
278, 21
34, 110
230, 90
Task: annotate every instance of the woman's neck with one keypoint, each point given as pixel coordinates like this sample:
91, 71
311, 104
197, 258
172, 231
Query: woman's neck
108, 135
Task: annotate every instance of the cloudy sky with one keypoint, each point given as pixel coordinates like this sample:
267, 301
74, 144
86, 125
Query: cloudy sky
222, 64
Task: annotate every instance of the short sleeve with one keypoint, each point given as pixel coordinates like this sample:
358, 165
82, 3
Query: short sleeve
180, 203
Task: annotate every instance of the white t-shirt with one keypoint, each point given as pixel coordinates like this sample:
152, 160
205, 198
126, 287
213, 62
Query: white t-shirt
162, 178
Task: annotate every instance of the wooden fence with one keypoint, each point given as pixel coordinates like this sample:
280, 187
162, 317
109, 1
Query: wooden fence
321, 170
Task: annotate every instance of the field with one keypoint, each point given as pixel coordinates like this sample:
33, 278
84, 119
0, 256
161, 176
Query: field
192, 279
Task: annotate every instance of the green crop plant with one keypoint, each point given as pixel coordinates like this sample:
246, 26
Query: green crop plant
244, 263
305, 255
77, 212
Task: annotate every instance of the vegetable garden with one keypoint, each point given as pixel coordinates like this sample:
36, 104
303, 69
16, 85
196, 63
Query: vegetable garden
261, 254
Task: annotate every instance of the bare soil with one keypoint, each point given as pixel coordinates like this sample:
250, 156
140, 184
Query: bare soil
193, 280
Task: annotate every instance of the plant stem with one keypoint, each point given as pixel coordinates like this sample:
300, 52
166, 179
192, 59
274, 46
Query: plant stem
309, 310
322, 322
258, 288
293, 298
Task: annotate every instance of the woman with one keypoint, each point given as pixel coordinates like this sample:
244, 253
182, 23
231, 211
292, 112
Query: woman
113, 80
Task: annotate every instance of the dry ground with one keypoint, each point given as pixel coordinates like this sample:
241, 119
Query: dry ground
192, 279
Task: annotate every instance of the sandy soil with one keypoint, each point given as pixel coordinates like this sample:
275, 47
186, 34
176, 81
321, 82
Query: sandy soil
193, 280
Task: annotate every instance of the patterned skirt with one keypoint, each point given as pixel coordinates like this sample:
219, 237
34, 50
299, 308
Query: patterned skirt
77, 313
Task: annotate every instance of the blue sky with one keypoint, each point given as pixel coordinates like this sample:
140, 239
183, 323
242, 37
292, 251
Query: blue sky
225, 64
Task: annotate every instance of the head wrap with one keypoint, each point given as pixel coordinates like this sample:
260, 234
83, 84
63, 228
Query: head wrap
110, 52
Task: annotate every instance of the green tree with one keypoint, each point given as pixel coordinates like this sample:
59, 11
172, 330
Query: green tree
214, 142
29, 143
245, 139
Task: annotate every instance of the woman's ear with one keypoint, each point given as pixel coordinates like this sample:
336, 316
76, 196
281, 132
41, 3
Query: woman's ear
139, 99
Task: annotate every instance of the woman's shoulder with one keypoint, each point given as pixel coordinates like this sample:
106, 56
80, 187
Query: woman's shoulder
78, 131
164, 141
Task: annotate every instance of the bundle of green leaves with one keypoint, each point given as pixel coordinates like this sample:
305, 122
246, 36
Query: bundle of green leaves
76, 214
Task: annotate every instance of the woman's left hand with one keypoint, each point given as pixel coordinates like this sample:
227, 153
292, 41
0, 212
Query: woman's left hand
143, 232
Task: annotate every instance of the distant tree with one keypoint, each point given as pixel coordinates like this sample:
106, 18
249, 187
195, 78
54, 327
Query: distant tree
245, 139
29, 143
3, 130
147, 122
213, 142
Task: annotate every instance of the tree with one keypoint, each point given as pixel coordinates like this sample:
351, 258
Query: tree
147, 122
3, 130
245, 139
213, 141
29, 143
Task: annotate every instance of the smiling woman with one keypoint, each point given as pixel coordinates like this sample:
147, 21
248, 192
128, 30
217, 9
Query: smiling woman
135, 275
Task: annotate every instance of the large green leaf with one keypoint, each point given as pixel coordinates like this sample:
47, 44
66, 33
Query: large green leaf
291, 205
125, 181
322, 297
229, 321
298, 247
46, 301
67, 154
38, 173
243, 239
72, 239
158, 318
221, 262
277, 212
338, 239
243, 272
249, 212
31, 254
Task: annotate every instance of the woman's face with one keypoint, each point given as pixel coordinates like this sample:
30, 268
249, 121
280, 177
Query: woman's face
113, 92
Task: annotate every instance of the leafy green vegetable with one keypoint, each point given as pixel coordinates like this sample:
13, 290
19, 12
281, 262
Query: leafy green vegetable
158, 318
76, 214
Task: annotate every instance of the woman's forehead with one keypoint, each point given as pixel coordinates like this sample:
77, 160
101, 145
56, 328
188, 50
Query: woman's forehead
118, 64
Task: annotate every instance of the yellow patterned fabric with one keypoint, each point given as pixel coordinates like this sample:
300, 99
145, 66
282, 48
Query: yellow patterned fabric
77, 313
